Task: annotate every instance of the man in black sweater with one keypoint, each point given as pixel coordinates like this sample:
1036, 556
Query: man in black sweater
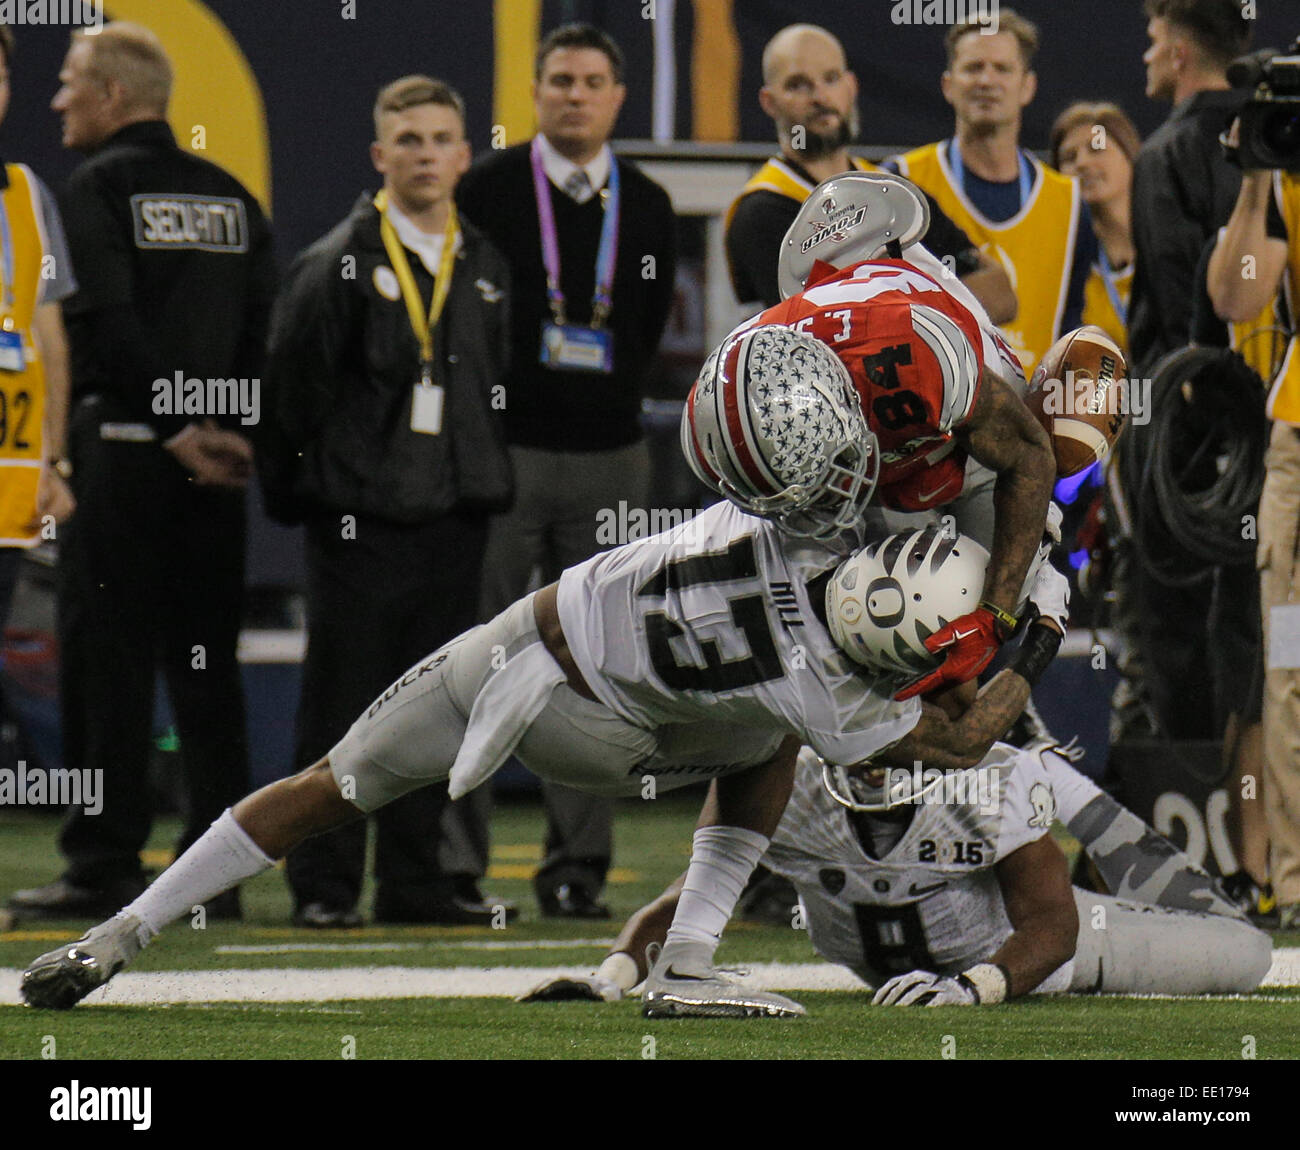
592, 265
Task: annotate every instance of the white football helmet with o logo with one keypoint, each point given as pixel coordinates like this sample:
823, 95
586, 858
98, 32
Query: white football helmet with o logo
774, 423
885, 601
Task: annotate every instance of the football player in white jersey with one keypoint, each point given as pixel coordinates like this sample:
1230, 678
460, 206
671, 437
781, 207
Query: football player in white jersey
948, 889
699, 653
969, 902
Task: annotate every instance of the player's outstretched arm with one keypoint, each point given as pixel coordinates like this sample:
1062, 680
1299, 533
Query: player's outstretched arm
1003, 435
951, 739
955, 744
1040, 906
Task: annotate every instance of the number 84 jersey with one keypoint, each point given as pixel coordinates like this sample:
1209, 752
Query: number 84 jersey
915, 354
711, 622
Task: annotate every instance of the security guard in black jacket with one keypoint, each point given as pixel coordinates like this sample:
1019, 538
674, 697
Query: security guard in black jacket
388, 351
167, 332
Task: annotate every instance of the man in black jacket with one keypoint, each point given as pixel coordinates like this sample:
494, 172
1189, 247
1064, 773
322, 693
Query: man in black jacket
592, 264
1197, 645
388, 348
167, 331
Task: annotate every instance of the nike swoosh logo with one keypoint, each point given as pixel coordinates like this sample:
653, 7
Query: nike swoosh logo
959, 635
919, 890
924, 497
671, 973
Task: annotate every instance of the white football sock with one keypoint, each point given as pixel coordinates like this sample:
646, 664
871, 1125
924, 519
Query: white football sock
224, 856
722, 859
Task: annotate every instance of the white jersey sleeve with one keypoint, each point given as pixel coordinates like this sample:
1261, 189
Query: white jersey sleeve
712, 620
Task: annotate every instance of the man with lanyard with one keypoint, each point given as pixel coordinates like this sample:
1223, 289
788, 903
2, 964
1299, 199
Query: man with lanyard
811, 96
591, 245
1029, 217
382, 437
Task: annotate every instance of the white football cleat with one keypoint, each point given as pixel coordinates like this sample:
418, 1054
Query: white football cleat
678, 987
61, 978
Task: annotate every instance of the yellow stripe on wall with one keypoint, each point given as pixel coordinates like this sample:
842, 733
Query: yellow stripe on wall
715, 72
214, 89
516, 29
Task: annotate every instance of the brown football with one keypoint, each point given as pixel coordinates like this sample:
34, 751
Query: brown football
1079, 393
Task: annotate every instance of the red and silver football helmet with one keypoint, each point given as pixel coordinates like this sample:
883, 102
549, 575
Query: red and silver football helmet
774, 423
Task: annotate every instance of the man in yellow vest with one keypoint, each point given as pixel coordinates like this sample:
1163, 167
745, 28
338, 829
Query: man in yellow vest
1257, 252
35, 274
811, 96
1027, 216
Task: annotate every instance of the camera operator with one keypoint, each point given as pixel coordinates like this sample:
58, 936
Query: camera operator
1255, 252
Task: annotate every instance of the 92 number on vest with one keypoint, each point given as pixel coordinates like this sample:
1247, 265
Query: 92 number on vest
15, 408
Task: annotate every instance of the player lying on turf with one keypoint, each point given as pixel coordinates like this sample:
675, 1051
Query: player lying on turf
898, 897
700, 653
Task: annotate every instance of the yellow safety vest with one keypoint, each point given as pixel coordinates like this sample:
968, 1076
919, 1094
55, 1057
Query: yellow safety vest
777, 176
1284, 396
1035, 246
22, 393
1100, 310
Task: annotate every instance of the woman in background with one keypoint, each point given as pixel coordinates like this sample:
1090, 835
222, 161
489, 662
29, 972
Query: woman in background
1097, 144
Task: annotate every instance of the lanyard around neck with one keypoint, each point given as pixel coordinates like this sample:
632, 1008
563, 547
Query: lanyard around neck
422, 327
959, 171
1108, 277
7, 243
606, 256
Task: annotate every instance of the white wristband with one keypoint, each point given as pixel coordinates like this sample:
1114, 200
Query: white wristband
990, 982
620, 969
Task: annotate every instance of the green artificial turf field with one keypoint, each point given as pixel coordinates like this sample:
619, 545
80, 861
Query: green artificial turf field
652, 842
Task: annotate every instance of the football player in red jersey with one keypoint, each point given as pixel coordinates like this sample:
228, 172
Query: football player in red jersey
932, 380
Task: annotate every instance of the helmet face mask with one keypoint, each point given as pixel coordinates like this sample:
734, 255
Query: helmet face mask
866, 789
775, 425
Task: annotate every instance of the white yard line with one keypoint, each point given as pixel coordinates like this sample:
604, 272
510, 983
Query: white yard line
186, 986
431, 944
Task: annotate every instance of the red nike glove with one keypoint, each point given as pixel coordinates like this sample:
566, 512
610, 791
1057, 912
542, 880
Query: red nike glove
971, 642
